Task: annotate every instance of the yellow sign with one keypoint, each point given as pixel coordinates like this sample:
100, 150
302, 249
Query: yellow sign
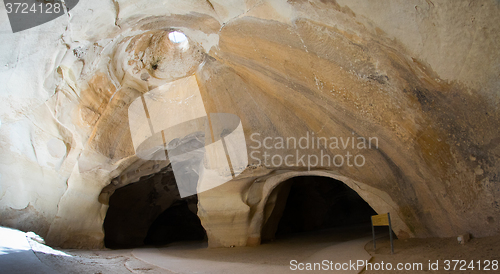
380, 220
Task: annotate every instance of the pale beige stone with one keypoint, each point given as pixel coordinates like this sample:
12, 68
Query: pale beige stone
421, 76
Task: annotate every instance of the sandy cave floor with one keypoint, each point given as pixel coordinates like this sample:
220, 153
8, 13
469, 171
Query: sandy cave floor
274, 257
423, 250
194, 257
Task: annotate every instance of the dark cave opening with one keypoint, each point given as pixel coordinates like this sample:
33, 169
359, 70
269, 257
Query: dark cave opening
151, 212
177, 223
314, 203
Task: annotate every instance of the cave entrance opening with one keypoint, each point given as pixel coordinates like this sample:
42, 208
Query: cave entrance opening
151, 212
306, 205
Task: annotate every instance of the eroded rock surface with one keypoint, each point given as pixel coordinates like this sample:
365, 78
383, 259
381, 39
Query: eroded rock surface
425, 87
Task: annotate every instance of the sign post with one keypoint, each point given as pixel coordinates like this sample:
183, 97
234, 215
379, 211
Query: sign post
382, 220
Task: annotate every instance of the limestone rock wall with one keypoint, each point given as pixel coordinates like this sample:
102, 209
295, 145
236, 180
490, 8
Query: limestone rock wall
420, 76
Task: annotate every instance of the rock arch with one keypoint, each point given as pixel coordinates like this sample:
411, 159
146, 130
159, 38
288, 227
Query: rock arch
250, 219
335, 68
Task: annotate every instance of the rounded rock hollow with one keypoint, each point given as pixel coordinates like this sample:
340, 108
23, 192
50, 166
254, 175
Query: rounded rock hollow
164, 54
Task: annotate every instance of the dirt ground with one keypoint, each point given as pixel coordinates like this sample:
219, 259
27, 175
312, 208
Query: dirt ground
277, 253
437, 250
299, 247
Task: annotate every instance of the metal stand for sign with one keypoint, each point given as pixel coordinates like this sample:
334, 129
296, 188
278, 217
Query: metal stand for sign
373, 233
390, 233
381, 221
